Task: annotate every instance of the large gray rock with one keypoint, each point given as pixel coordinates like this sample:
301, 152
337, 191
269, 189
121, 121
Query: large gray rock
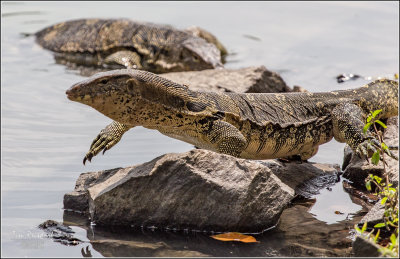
357, 169
198, 189
243, 80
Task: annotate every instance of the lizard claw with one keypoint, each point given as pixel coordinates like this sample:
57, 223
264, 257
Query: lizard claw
87, 157
105, 140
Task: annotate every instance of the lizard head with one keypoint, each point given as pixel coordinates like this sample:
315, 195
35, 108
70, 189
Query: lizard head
193, 54
108, 92
197, 54
119, 94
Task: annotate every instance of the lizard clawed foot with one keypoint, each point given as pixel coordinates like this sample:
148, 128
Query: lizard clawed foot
104, 141
373, 145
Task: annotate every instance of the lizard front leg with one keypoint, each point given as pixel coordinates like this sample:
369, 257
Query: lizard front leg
225, 138
348, 123
126, 58
107, 138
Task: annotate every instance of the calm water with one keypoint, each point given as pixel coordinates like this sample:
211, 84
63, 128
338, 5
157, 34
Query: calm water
45, 136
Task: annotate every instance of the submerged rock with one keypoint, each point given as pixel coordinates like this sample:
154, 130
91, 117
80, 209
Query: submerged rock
199, 189
357, 169
243, 80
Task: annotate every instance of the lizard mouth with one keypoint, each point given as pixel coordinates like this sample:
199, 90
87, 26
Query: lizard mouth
72, 93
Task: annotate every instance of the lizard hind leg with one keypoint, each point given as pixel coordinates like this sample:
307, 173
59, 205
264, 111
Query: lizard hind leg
348, 126
126, 58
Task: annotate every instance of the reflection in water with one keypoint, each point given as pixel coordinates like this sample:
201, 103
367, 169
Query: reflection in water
297, 234
86, 252
334, 205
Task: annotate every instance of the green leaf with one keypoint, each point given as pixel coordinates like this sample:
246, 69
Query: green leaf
366, 127
379, 225
377, 179
357, 228
377, 235
368, 185
375, 158
381, 123
393, 238
383, 200
384, 146
374, 113
364, 227
369, 118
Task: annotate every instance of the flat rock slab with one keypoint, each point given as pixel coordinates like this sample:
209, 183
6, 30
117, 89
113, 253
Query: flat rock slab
243, 80
199, 189
357, 169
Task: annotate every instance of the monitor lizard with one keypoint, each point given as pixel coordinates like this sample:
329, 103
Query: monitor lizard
246, 125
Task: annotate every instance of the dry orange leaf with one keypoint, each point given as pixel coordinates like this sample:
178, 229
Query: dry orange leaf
235, 236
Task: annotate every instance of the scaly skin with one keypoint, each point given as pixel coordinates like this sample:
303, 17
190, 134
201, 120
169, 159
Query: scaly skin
122, 42
252, 125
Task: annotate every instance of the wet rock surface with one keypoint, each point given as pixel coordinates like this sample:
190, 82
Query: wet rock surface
243, 80
357, 169
199, 189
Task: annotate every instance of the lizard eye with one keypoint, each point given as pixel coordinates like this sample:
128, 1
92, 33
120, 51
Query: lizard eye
195, 58
103, 81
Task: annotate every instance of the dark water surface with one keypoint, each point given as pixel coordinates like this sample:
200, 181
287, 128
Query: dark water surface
45, 136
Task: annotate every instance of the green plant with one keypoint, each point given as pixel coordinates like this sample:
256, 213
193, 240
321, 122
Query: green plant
385, 191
